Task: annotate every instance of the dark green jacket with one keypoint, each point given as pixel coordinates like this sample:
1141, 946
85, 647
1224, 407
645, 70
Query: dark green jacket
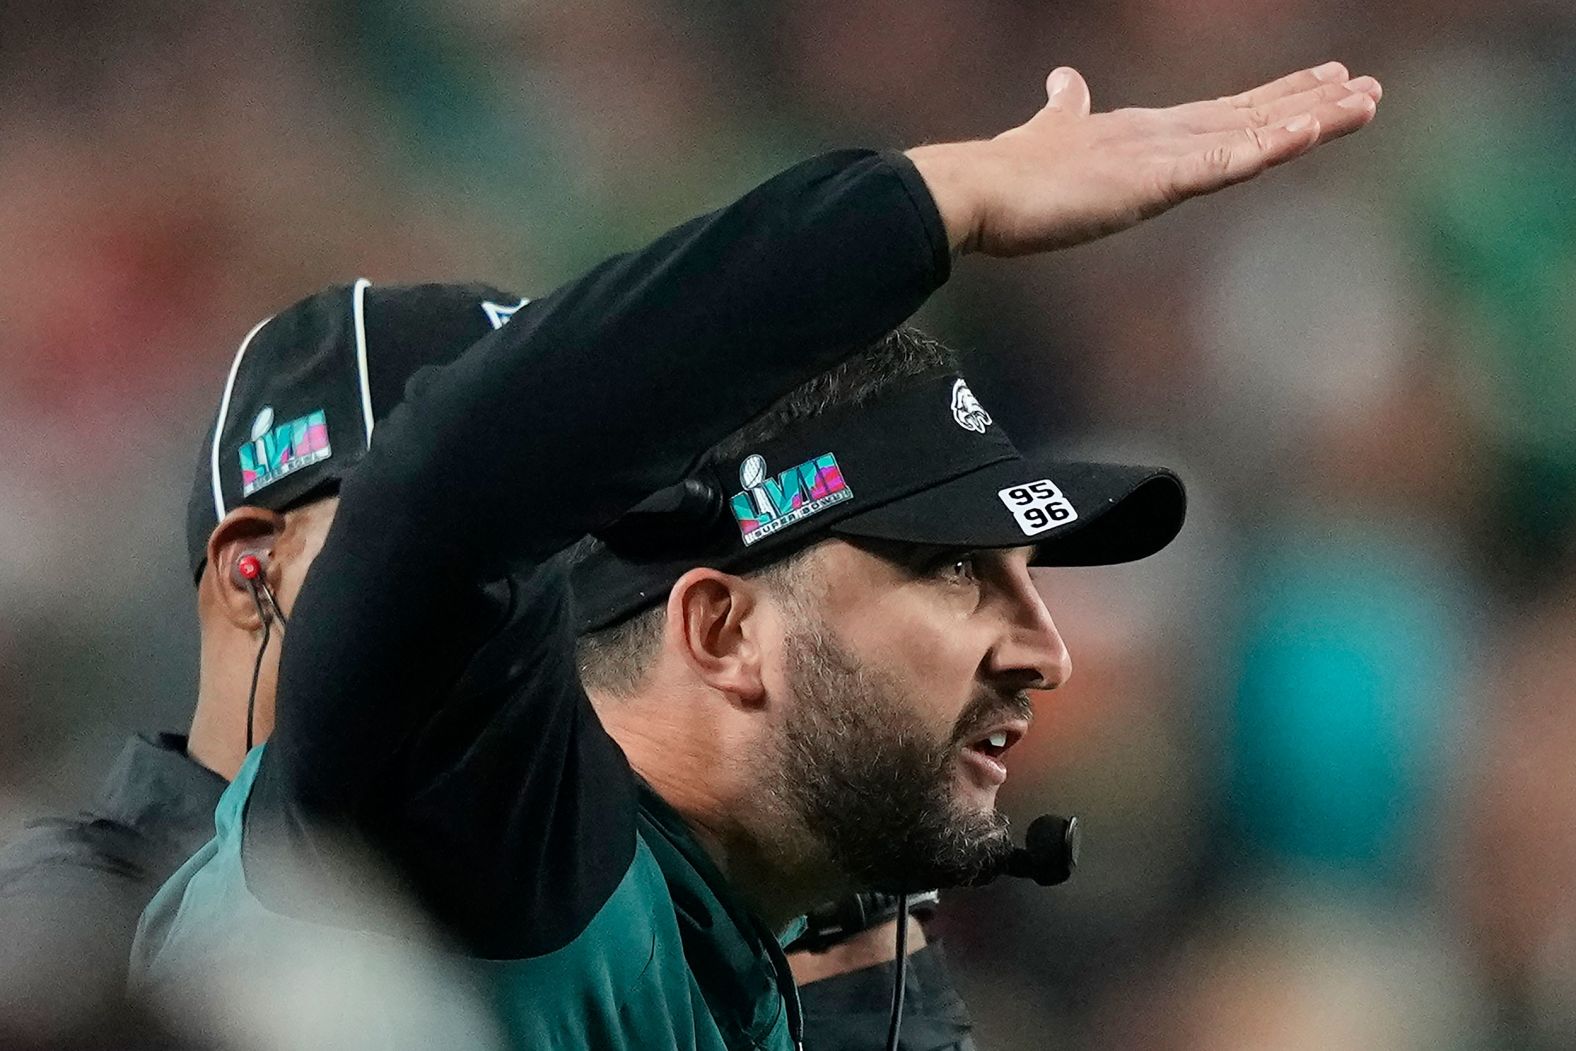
670, 960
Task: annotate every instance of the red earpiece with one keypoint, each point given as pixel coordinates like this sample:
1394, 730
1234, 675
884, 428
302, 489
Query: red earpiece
249, 568
251, 572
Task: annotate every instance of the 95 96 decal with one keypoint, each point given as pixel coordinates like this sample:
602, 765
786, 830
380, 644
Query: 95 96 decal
1038, 506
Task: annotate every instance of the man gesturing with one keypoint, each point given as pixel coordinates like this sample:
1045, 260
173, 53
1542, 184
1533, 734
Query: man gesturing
793, 658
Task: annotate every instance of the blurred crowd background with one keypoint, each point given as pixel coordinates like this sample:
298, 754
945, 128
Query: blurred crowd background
1324, 746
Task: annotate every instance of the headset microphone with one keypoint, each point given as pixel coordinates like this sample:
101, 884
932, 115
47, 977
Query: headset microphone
1049, 853
1048, 856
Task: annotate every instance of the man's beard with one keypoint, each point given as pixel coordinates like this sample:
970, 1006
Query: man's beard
875, 787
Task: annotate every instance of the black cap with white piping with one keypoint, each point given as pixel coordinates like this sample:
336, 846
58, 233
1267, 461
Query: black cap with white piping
308, 385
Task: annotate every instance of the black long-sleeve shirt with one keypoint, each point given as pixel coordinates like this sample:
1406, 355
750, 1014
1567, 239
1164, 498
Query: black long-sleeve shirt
439, 720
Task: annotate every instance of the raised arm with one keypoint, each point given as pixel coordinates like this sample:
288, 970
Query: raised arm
605, 391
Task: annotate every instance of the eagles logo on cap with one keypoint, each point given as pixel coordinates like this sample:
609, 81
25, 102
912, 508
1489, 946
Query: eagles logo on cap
967, 410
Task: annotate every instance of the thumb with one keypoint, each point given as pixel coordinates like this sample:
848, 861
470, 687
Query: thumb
1066, 92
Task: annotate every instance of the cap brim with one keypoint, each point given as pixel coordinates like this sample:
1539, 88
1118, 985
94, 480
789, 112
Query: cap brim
1118, 512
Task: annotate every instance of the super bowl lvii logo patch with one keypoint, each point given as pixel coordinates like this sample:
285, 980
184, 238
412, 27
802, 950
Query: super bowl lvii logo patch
275, 452
768, 505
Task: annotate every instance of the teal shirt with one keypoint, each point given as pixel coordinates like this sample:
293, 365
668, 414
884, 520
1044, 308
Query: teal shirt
671, 960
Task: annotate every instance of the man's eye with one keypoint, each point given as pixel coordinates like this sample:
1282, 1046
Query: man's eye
960, 568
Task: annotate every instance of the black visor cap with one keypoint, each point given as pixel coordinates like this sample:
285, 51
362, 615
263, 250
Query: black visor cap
1118, 512
923, 464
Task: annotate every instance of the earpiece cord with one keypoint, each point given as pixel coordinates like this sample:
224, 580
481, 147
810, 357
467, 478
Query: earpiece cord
901, 973
279, 614
257, 665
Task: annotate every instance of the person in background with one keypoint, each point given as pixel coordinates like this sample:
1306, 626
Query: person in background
295, 415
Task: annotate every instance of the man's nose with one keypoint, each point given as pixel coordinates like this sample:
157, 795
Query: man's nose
1031, 649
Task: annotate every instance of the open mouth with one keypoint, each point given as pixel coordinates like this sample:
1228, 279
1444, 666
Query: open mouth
993, 744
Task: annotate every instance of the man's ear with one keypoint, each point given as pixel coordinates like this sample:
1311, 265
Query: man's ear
716, 621
245, 530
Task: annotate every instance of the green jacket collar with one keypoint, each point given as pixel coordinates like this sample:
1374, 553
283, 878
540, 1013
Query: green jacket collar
737, 962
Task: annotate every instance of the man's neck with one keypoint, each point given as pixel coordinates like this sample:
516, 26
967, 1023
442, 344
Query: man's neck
689, 767
217, 738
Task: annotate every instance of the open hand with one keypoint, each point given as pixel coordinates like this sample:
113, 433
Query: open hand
1067, 176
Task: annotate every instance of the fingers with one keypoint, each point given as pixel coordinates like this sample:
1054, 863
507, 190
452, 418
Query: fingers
1226, 115
1229, 157
1237, 156
1343, 116
1307, 101
1292, 84
1066, 92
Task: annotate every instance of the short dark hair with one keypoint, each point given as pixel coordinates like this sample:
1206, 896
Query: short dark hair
614, 659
